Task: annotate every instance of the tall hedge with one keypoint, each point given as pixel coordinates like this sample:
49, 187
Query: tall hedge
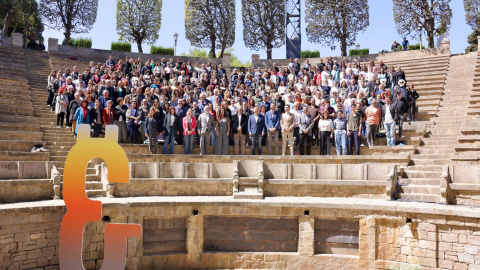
415, 47
121, 46
81, 42
161, 50
359, 52
310, 54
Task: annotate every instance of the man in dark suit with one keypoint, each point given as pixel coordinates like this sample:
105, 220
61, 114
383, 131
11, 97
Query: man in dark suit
133, 127
256, 129
239, 130
181, 112
121, 121
401, 107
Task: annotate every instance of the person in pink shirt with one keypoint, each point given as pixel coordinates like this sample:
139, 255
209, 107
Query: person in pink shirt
373, 114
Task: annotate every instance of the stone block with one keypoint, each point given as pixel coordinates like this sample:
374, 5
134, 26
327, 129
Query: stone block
35, 170
466, 258
17, 40
225, 170
327, 171
145, 170
9, 170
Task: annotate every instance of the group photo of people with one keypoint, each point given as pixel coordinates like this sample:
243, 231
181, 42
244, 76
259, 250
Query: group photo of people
289, 109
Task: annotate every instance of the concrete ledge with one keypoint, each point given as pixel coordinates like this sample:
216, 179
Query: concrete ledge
134, 181
325, 182
401, 159
465, 187
364, 206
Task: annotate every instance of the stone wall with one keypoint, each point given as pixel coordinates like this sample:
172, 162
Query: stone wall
23, 181
387, 235
443, 50
463, 184
216, 179
98, 55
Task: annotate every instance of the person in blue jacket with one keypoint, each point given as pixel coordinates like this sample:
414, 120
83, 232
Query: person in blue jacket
272, 124
82, 115
256, 126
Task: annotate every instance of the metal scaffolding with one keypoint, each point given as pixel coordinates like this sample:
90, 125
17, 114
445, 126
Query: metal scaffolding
293, 29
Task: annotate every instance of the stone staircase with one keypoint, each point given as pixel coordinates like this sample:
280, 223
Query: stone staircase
428, 75
19, 129
421, 180
468, 146
59, 140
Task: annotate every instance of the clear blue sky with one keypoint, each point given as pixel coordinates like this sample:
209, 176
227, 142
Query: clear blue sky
378, 36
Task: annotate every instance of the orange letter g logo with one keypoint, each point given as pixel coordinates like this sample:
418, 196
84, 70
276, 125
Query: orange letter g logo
81, 210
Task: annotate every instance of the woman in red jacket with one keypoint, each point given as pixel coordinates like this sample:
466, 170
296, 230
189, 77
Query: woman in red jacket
189, 127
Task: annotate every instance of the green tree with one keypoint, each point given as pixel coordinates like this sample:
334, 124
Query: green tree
235, 61
210, 24
331, 21
473, 38
74, 16
139, 21
432, 16
196, 53
263, 24
472, 12
20, 14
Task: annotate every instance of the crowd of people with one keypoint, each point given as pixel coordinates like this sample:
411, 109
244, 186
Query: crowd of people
180, 103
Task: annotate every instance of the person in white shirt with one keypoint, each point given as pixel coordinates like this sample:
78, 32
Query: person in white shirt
388, 118
325, 127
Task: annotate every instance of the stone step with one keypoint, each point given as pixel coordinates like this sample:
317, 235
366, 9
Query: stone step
418, 189
468, 138
421, 161
428, 168
251, 195
432, 156
23, 156
93, 186
422, 174
94, 193
435, 150
58, 158
418, 197
88, 171
58, 152
62, 139
60, 143
419, 181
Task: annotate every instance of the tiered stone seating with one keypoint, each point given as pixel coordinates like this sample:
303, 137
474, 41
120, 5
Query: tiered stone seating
19, 130
59, 141
428, 76
59, 63
421, 181
469, 140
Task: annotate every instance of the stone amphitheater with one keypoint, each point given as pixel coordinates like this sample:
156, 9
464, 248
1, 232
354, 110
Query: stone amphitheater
403, 207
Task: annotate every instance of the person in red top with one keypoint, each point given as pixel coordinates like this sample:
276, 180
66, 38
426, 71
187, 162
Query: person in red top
108, 114
317, 78
189, 127
373, 114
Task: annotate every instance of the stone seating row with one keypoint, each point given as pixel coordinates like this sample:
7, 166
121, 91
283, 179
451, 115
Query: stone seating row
22, 181
373, 180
